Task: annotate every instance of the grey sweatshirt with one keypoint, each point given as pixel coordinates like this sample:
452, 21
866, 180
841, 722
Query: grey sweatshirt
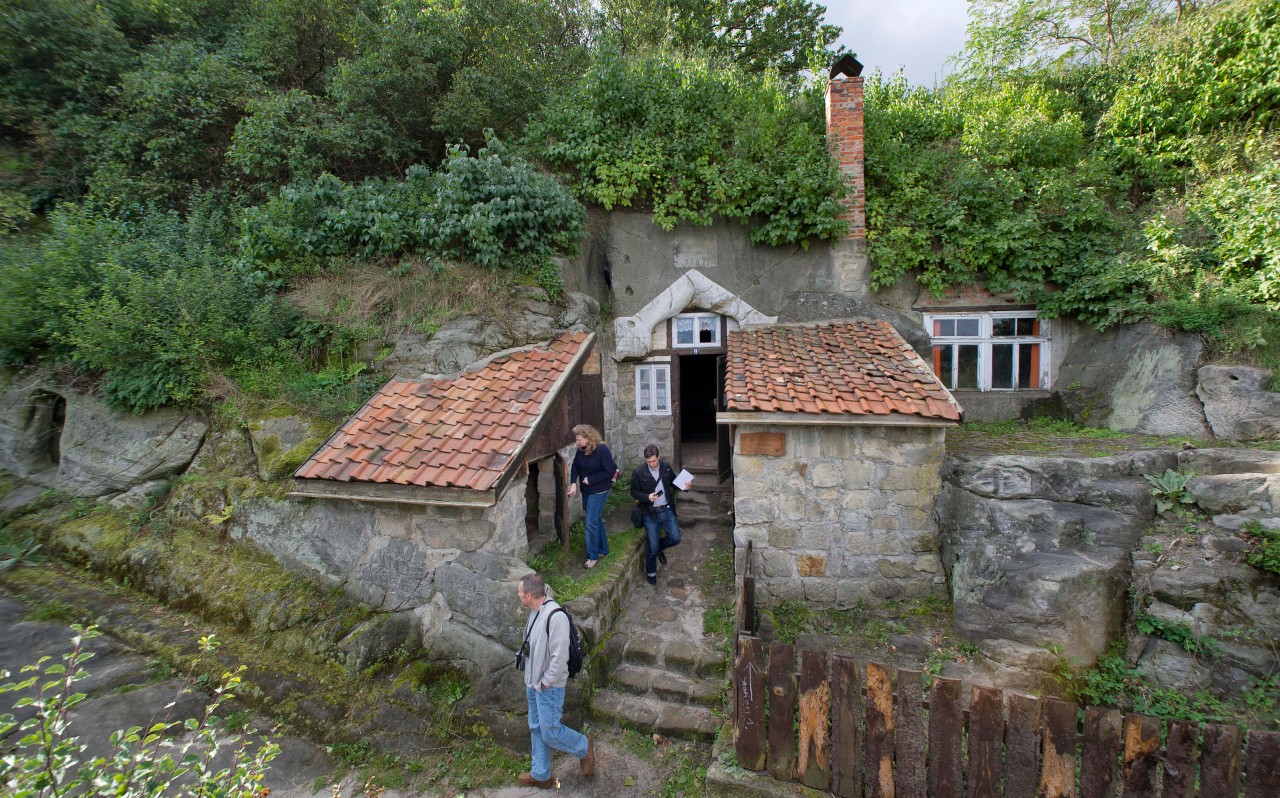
548, 662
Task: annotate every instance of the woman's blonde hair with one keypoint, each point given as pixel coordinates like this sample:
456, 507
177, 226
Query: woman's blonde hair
591, 434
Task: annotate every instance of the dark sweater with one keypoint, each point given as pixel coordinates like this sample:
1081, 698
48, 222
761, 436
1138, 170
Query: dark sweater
596, 468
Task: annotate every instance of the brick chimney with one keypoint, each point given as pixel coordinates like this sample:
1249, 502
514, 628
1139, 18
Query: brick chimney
844, 137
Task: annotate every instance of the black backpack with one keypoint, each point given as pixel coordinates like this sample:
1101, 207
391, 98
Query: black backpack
575, 645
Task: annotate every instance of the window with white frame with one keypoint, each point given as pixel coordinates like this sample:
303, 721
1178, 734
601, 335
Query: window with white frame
996, 351
695, 329
653, 389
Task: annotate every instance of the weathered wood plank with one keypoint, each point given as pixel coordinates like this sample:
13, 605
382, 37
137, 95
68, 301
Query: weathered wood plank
1022, 747
1220, 761
908, 727
1262, 765
986, 736
1141, 756
1058, 776
879, 743
1180, 760
749, 704
846, 728
783, 696
1103, 747
815, 721
946, 728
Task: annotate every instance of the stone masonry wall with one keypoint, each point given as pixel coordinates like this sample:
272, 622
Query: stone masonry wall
637, 431
844, 513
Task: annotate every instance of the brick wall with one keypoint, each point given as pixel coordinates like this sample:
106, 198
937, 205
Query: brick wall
844, 137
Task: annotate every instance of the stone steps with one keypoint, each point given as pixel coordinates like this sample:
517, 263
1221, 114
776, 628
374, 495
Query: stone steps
673, 688
652, 715
678, 656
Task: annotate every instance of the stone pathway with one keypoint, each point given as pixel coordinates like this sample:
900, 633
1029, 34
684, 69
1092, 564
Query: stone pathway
667, 676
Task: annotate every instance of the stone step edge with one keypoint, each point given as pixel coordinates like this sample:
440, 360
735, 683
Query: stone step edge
652, 715
708, 663
667, 686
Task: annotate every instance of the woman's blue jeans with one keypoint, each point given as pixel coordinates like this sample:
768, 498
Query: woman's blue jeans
597, 540
547, 732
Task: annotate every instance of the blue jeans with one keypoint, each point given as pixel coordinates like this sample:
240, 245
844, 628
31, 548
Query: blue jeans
664, 518
546, 731
597, 540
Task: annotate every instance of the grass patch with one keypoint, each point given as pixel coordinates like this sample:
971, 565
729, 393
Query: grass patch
863, 623
563, 569
52, 611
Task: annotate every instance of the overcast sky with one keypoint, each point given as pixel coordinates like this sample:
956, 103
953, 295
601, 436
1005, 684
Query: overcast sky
918, 35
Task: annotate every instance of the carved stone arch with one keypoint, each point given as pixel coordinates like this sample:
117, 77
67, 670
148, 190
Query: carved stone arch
694, 289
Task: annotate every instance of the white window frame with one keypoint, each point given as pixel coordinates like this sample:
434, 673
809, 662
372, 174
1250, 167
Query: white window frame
647, 376
717, 325
986, 338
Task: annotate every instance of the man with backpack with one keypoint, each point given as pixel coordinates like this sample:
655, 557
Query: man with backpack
545, 659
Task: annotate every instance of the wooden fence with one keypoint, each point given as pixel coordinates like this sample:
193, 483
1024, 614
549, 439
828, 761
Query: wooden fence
832, 725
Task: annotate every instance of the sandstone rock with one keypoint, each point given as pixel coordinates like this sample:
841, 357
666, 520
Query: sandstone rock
1170, 666
1205, 462
1247, 494
1037, 550
283, 443
480, 588
137, 497
225, 453
57, 438
384, 636
1238, 404
1134, 378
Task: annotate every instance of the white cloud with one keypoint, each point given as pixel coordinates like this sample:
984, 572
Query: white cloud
918, 35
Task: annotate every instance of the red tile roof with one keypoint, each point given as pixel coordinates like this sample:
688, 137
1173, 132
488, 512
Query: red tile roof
461, 432
849, 367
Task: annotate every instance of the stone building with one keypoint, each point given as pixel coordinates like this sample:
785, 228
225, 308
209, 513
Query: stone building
838, 445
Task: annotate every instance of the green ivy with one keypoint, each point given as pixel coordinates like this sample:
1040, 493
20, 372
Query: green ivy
692, 139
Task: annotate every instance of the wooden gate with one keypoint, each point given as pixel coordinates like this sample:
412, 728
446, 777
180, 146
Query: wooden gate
830, 724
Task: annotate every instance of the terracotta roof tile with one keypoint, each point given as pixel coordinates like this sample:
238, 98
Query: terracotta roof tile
840, 368
459, 432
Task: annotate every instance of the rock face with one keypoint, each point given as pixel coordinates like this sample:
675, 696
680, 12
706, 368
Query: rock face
58, 438
1135, 378
1038, 548
1238, 404
1203, 584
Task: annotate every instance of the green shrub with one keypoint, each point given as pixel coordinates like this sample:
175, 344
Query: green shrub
1264, 550
1169, 490
165, 759
693, 139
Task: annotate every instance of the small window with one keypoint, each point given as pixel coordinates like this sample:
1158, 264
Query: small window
653, 389
696, 329
990, 351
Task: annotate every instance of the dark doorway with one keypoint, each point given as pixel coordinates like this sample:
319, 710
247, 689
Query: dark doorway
697, 398
697, 404
546, 508
46, 416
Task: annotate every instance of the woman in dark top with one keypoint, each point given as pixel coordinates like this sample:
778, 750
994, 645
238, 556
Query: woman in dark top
592, 465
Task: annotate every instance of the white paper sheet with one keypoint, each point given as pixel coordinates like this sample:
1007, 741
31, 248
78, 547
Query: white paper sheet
683, 480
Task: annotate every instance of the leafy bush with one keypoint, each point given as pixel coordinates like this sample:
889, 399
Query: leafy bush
1112, 683
493, 209
693, 139
169, 758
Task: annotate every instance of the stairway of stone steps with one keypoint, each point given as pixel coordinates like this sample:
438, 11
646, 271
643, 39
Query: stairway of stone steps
666, 677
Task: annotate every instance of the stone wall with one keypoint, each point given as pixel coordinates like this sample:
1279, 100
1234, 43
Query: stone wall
635, 431
841, 512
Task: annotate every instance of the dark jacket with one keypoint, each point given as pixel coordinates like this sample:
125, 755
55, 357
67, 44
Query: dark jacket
643, 483
597, 468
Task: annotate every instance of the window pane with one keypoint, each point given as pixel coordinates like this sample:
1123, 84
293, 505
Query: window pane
1029, 366
967, 327
708, 329
1004, 327
660, 388
944, 363
1002, 366
644, 391
944, 328
967, 373
1026, 326
684, 331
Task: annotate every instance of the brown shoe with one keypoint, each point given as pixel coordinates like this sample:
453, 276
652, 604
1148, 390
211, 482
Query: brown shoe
588, 762
526, 779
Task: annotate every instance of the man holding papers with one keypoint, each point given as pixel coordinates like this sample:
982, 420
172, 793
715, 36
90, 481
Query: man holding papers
654, 485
